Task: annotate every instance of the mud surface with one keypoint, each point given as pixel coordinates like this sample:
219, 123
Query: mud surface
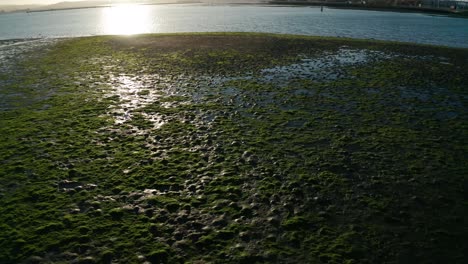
238, 148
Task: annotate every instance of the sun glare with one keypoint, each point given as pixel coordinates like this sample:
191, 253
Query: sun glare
126, 19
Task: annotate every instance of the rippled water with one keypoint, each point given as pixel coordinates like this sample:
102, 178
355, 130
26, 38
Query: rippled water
408, 27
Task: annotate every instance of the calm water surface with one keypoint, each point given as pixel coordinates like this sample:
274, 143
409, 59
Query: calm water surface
408, 27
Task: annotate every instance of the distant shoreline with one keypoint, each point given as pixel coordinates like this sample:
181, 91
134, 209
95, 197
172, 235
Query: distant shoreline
68, 8
90, 7
407, 9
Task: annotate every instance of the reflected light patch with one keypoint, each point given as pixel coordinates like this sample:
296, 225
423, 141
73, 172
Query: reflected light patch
126, 19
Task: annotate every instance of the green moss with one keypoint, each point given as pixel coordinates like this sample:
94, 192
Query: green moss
365, 168
160, 255
116, 213
49, 227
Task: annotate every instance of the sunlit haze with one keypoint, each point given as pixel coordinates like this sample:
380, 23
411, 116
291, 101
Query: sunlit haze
126, 19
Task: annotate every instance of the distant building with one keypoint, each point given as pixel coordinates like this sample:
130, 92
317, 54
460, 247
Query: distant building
447, 4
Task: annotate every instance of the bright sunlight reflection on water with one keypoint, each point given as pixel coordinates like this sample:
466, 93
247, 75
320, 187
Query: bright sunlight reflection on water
126, 19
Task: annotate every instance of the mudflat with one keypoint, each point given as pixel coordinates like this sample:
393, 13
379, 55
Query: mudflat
233, 147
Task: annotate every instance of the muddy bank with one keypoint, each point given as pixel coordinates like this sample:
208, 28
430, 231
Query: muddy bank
241, 148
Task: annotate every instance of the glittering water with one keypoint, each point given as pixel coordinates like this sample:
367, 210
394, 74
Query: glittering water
408, 27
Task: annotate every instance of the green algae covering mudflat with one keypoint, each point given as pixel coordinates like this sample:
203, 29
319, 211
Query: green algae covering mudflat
234, 148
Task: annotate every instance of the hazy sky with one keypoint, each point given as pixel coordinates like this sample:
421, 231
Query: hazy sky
44, 2
27, 2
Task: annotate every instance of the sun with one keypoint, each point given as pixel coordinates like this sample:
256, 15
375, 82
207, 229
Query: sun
126, 19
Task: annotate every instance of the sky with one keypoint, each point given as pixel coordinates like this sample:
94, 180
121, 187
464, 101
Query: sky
48, 2
27, 2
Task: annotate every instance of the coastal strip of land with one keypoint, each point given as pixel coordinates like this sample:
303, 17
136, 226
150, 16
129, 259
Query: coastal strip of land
233, 147
376, 7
